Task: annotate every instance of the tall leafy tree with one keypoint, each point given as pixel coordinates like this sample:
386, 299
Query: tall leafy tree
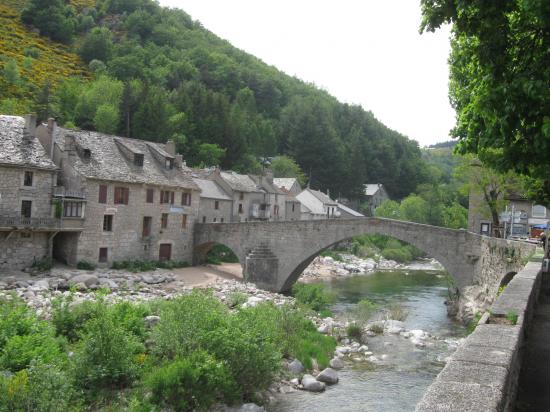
54, 18
499, 82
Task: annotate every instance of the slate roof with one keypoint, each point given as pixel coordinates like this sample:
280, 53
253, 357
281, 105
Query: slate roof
210, 189
310, 202
20, 149
284, 182
322, 197
372, 188
241, 183
350, 210
108, 162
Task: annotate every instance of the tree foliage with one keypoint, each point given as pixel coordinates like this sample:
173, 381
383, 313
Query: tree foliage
499, 82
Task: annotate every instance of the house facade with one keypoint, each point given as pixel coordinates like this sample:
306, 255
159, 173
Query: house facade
216, 206
29, 215
375, 195
139, 199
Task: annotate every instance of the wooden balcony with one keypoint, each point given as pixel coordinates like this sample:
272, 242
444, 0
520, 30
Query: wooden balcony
43, 224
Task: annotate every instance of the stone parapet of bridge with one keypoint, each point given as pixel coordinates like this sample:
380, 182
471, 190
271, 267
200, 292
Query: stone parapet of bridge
483, 373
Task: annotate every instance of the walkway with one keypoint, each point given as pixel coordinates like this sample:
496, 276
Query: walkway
534, 381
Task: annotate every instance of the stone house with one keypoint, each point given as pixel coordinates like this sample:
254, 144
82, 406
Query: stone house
140, 199
316, 205
27, 183
375, 195
215, 205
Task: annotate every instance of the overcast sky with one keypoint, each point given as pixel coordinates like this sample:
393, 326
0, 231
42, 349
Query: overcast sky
363, 52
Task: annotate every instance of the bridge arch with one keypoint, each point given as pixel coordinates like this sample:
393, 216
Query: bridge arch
276, 253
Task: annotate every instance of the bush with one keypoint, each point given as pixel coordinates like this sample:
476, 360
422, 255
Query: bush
69, 320
85, 265
363, 311
42, 265
106, 354
149, 265
236, 299
401, 255
354, 331
191, 383
396, 312
313, 295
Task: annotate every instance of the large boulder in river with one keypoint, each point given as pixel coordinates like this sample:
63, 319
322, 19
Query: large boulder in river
311, 384
328, 375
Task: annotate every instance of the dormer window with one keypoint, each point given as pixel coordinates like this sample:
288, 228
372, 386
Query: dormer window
138, 159
169, 164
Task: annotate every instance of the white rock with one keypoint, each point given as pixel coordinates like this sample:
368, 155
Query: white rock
336, 363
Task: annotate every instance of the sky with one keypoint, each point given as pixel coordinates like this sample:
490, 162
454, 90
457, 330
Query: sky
366, 52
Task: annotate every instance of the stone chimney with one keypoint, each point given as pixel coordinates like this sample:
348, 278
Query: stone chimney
30, 125
269, 175
179, 161
170, 147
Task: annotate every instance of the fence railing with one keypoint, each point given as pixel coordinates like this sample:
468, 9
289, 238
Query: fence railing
60, 191
20, 222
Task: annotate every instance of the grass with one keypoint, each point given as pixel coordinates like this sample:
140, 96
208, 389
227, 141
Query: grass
149, 265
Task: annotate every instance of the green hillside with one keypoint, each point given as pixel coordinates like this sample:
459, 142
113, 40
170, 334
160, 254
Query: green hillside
157, 74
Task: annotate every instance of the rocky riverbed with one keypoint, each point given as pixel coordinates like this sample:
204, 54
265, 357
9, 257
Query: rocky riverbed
119, 285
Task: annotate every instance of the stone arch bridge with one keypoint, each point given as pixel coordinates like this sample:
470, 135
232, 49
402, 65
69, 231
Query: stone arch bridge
274, 254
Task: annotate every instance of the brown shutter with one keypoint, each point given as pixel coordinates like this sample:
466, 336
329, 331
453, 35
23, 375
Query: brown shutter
102, 194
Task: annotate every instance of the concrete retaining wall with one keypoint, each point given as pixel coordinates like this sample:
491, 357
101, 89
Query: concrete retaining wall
483, 373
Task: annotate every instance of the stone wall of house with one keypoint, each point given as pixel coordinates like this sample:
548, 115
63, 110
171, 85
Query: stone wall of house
125, 241
208, 212
22, 249
292, 214
248, 199
12, 192
65, 247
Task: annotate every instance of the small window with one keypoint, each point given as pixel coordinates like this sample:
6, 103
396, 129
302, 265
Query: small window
27, 180
150, 197
221, 220
164, 221
214, 220
103, 254
293, 205
26, 208
485, 228
102, 194
186, 199
147, 220
183, 221
241, 196
121, 195
276, 210
72, 209
107, 223
204, 219
138, 159
539, 211
216, 205
166, 196
240, 208
169, 163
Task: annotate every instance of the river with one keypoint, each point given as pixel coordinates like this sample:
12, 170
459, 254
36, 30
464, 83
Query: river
398, 380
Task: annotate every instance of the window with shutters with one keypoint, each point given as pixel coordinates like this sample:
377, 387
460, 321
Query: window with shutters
102, 194
186, 199
107, 223
150, 197
147, 221
216, 205
166, 197
121, 195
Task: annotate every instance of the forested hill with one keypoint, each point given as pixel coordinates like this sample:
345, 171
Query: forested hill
154, 73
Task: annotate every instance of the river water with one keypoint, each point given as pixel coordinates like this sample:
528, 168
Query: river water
404, 371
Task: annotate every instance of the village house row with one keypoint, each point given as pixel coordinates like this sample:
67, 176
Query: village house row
85, 196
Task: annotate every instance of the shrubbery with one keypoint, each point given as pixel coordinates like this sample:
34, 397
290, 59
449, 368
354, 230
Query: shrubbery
148, 265
220, 254
200, 352
313, 295
85, 265
390, 248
